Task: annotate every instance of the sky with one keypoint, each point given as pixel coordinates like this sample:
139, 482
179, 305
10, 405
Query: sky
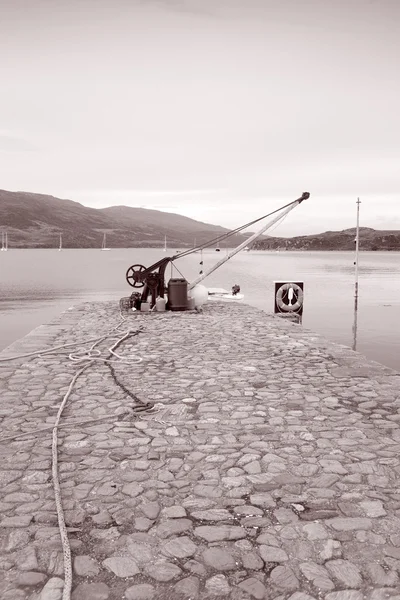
221, 110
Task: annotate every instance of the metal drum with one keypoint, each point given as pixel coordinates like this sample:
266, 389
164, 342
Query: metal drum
177, 294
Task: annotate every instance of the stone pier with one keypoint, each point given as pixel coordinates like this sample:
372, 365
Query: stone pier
268, 469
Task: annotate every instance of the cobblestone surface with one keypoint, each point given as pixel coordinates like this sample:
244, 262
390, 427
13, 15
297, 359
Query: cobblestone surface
270, 469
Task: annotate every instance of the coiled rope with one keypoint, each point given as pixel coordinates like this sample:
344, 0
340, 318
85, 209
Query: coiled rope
88, 356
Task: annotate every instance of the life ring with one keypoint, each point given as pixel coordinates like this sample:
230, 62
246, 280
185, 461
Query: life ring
289, 307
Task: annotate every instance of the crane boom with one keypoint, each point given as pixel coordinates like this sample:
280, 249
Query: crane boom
251, 239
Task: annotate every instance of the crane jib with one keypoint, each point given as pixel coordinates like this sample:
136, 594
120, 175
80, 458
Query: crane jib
152, 279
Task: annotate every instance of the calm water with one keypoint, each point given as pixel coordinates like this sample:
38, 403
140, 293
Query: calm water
36, 285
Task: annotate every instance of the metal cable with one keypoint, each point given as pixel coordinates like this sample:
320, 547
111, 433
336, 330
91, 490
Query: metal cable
230, 233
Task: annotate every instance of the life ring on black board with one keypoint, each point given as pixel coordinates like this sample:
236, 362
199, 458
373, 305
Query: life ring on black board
289, 307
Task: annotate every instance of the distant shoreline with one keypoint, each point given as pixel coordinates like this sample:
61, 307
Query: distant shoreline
184, 248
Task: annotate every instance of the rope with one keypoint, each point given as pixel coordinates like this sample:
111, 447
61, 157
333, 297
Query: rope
88, 356
48, 351
73, 424
56, 348
57, 495
93, 355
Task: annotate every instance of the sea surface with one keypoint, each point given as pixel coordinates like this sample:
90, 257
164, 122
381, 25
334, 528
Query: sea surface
36, 285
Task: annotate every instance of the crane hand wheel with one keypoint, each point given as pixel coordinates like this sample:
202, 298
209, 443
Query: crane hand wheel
298, 292
134, 276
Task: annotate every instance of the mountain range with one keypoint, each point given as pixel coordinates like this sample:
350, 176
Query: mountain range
36, 220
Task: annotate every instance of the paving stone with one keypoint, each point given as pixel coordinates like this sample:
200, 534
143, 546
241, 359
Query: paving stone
142, 591
195, 567
218, 586
20, 521
207, 491
53, 590
263, 499
212, 514
14, 539
150, 509
345, 572
285, 515
315, 531
187, 588
163, 571
27, 559
216, 533
174, 512
272, 554
20, 497
379, 576
132, 489
284, 578
86, 566
102, 518
318, 575
91, 591
391, 551
330, 549
31, 578
7, 477
345, 595
219, 559
248, 510
253, 587
306, 470
121, 566
384, 594
180, 547
252, 561
373, 508
350, 524
141, 552
173, 527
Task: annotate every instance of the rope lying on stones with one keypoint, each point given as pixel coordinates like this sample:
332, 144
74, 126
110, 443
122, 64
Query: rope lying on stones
129, 411
141, 406
89, 358
50, 350
56, 483
132, 410
57, 494
85, 356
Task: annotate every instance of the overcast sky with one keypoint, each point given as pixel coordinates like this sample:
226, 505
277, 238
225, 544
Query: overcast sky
220, 110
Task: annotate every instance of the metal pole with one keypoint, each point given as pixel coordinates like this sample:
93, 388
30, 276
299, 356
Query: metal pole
357, 240
243, 245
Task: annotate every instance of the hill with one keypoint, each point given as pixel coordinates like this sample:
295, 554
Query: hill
36, 220
370, 239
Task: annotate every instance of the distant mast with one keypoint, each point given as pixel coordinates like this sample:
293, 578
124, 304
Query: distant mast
4, 241
357, 242
165, 244
103, 246
60, 246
